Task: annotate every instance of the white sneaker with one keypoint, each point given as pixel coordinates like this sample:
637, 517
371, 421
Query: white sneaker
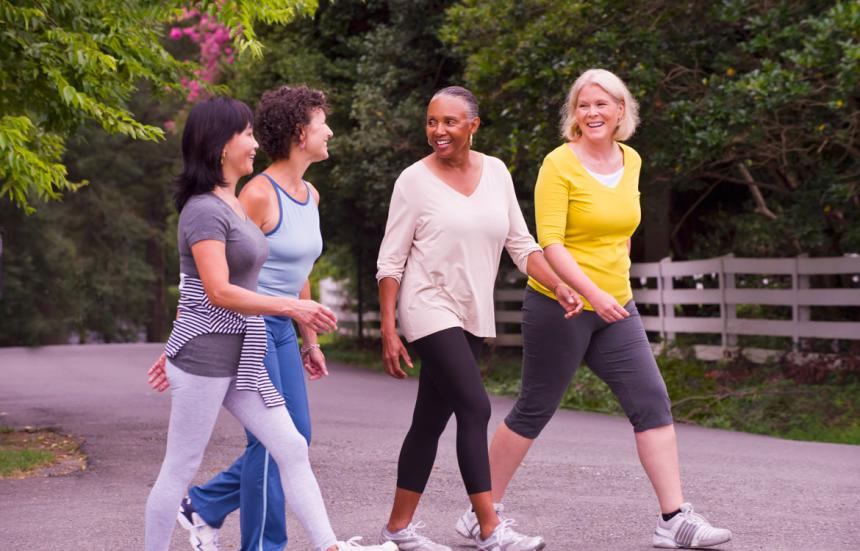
352, 545
468, 525
505, 538
688, 529
202, 536
409, 539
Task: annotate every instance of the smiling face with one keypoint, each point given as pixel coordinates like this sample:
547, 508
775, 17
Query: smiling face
449, 126
597, 113
315, 136
239, 152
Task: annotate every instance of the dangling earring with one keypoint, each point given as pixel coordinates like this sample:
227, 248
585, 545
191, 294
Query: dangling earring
470, 140
223, 156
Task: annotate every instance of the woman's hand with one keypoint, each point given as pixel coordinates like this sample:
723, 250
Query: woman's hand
606, 306
157, 375
314, 361
312, 314
392, 351
569, 300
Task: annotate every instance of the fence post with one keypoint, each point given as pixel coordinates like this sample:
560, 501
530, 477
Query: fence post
727, 311
665, 283
798, 313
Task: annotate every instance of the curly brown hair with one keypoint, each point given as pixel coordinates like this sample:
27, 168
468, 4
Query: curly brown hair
281, 115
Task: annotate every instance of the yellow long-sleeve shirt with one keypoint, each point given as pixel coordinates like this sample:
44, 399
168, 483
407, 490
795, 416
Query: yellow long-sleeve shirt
591, 220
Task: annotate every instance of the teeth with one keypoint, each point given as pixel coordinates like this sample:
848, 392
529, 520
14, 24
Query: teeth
594, 124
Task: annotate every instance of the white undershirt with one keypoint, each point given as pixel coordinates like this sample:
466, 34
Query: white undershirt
608, 180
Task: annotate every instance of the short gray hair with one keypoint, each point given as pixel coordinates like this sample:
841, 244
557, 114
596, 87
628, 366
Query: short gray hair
463, 94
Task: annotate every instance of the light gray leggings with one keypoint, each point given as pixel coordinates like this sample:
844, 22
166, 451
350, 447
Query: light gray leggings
195, 402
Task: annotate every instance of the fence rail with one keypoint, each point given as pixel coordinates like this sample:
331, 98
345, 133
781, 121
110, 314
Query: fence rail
723, 284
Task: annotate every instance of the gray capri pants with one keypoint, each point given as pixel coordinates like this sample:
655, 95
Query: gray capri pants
618, 353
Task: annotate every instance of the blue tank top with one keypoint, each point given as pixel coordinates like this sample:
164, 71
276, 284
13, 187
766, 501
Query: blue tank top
294, 245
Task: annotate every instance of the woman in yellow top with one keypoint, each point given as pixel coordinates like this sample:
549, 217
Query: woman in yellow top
587, 208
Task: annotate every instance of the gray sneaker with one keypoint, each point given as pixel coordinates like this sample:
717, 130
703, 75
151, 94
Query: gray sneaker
468, 525
409, 539
505, 538
202, 536
688, 530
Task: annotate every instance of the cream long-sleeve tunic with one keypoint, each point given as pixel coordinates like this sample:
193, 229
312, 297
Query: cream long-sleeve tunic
444, 248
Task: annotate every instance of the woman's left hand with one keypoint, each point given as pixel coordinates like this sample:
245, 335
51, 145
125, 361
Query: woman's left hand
569, 300
158, 376
314, 362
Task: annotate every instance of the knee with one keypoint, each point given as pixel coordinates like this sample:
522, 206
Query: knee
651, 408
528, 418
475, 413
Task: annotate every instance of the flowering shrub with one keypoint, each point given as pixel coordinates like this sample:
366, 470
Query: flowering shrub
214, 40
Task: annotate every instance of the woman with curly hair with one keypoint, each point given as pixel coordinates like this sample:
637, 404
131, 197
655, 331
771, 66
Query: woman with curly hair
290, 123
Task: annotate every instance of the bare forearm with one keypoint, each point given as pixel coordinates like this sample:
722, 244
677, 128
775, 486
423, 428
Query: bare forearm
561, 261
309, 336
388, 288
538, 268
249, 303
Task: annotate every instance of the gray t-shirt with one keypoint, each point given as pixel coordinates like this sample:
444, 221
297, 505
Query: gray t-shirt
206, 217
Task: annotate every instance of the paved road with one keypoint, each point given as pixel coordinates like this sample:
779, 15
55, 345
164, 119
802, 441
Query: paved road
582, 487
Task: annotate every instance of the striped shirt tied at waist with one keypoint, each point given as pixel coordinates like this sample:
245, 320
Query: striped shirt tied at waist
198, 316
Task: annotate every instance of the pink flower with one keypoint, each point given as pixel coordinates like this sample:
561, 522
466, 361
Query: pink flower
170, 126
175, 33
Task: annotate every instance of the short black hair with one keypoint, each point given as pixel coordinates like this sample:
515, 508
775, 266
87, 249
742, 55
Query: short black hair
210, 125
281, 115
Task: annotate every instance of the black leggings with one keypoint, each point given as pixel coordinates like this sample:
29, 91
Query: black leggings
450, 382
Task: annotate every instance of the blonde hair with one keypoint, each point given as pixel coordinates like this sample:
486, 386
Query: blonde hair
613, 86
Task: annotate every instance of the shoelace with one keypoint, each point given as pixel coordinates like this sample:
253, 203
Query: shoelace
694, 517
506, 533
352, 543
412, 531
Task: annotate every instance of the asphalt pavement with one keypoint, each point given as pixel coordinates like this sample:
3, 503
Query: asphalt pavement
582, 487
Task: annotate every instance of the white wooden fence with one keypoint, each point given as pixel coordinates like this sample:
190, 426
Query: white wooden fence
721, 285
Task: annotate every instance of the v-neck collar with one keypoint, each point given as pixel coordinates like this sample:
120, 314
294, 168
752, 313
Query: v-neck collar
588, 174
450, 187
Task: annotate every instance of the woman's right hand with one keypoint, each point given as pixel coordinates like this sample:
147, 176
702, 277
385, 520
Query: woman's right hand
312, 314
606, 306
158, 375
392, 351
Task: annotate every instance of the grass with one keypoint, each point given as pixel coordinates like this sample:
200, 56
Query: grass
33, 452
14, 461
811, 402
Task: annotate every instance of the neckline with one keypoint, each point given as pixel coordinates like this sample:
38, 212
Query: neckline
243, 217
282, 190
450, 187
568, 146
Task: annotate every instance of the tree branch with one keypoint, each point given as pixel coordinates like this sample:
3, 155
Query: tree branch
761, 206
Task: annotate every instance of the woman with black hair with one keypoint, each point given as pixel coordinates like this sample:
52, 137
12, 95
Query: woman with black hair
451, 214
290, 123
215, 351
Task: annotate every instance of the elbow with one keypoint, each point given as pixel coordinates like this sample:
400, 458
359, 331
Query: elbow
218, 297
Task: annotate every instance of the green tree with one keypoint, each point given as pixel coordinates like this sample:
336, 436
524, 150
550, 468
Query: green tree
750, 110
379, 61
66, 62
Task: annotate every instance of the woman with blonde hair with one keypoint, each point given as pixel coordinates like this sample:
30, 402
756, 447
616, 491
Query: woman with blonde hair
587, 208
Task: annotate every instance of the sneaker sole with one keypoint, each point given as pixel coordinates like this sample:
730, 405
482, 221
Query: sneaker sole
663, 542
